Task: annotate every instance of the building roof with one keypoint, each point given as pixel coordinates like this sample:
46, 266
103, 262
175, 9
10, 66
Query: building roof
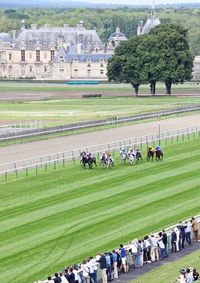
62, 54
52, 36
118, 35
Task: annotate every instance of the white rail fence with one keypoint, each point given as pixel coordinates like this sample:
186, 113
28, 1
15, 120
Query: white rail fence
17, 128
93, 124
74, 155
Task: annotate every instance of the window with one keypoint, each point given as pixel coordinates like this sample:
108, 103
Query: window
45, 69
30, 69
23, 55
30, 55
23, 71
45, 55
52, 54
37, 55
10, 69
101, 62
10, 56
88, 73
101, 72
89, 63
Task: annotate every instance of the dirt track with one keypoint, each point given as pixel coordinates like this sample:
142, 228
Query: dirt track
40, 148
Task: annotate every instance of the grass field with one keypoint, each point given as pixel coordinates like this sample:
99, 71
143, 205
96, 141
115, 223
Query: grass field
57, 218
65, 111
24, 86
169, 272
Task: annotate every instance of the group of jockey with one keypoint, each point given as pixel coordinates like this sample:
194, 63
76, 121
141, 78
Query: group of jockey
131, 152
150, 148
107, 156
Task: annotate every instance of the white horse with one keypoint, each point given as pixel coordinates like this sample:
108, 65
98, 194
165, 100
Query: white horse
123, 154
131, 158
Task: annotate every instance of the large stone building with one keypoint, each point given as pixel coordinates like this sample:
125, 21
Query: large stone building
56, 53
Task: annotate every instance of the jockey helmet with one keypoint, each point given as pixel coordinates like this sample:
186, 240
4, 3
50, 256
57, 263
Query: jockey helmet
131, 149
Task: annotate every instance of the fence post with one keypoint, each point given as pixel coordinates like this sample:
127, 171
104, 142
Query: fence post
26, 171
6, 176
63, 159
36, 169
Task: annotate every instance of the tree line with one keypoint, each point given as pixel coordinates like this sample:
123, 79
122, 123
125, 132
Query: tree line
104, 21
161, 55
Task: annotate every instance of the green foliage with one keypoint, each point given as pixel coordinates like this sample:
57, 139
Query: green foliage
161, 55
104, 20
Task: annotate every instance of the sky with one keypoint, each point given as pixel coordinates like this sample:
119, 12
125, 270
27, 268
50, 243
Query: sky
141, 2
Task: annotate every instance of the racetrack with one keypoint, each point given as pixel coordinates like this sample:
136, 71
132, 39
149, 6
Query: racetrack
46, 147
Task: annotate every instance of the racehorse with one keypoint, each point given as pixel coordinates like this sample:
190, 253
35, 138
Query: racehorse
87, 159
123, 156
159, 155
107, 161
138, 156
150, 155
131, 158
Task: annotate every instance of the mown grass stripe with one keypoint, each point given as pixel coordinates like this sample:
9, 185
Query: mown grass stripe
72, 219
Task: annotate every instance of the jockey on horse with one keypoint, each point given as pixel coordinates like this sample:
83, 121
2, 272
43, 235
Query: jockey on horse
150, 152
159, 153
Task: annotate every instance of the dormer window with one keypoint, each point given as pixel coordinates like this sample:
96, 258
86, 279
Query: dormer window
89, 63
61, 59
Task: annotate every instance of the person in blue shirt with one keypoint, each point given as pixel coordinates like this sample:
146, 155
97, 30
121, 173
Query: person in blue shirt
123, 257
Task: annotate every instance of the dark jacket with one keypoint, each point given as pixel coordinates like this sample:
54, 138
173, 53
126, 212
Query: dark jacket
102, 262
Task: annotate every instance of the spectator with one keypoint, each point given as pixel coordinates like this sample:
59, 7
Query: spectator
85, 269
103, 267
182, 234
93, 267
164, 238
147, 251
162, 247
108, 266
123, 257
173, 240
154, 248
134, 253
57, 279
189, 275
195, 274
177, 231
66, 274
49, 280
188, 229
71, 275
140, 253
114, 254
195, 229
182, 276
63, 278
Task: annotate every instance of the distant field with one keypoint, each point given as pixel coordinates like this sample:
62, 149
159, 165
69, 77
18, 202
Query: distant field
169, 272
57, 218
65, 111
63, 87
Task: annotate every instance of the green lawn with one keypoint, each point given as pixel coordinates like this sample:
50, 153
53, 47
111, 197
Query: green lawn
169, 272
60, 111
57, 218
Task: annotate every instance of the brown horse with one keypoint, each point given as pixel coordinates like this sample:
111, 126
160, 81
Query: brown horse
150, 155
159, 155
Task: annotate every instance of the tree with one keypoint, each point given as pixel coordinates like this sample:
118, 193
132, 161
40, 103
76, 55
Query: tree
126, 65
174, 61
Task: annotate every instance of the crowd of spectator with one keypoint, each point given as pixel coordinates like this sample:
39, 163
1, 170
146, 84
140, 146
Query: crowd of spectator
188, 275
151, 248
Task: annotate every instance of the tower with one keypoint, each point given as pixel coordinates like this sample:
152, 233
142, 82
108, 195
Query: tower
152, 21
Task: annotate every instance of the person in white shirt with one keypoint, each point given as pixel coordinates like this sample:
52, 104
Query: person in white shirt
85, 269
